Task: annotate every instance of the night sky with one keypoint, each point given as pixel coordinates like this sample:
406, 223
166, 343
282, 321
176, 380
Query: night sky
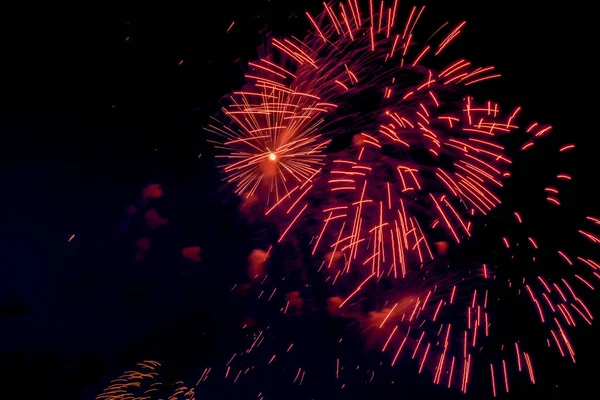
97, 102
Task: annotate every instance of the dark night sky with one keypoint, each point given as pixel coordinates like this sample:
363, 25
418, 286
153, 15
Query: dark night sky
88, 118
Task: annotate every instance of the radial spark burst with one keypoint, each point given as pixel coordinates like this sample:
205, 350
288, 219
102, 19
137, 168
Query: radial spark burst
272, 135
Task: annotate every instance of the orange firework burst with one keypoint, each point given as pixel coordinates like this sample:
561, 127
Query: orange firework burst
142, 383
272, 135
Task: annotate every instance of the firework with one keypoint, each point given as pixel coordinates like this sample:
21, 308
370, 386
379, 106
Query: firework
424, 155
143, 383
369, 133
273, 141
442, 148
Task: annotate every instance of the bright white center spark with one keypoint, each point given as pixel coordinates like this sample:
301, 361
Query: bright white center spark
272, 156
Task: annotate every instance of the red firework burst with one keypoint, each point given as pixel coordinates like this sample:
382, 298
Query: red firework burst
425, 157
